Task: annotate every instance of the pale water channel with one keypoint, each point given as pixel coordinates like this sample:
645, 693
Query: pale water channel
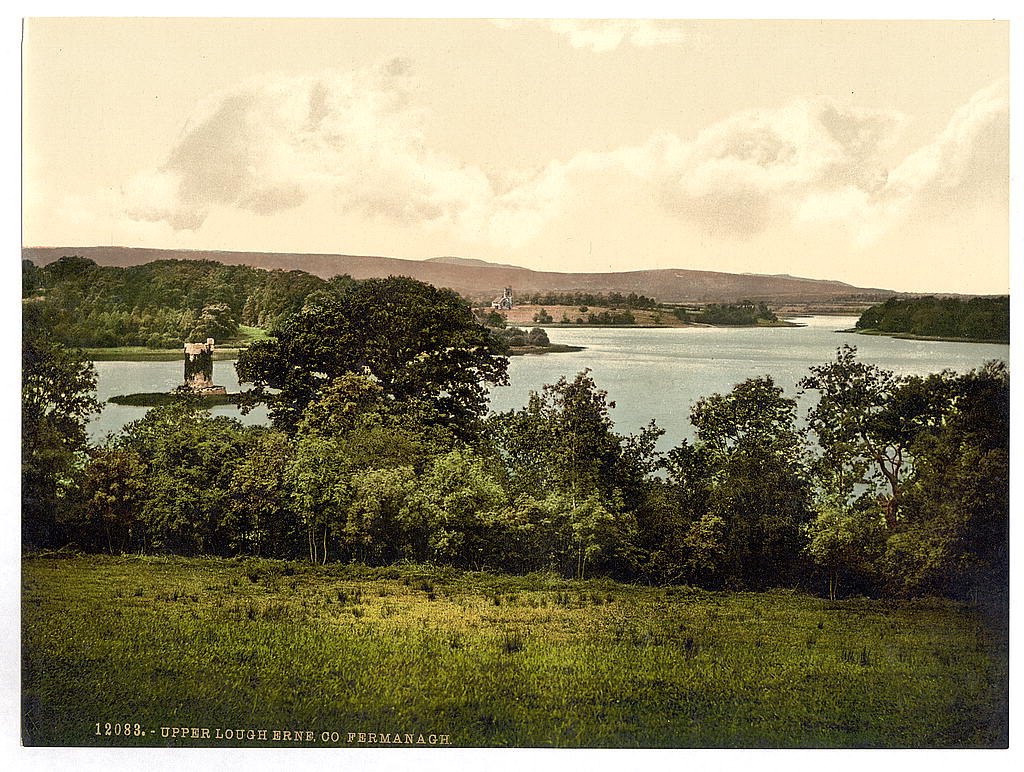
648, 373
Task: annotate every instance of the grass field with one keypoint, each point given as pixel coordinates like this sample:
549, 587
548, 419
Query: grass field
224, 350
484, 660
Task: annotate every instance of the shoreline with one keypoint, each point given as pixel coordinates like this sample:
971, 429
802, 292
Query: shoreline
926, 338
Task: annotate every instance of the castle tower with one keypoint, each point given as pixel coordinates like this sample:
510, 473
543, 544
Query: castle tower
199, 368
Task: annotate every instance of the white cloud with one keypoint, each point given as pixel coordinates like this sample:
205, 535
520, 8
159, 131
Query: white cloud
272, 143
969, 158
354, 141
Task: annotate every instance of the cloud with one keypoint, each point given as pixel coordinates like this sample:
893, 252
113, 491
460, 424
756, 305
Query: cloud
353, 141
601, 36
757, 167
967, 160
271, 144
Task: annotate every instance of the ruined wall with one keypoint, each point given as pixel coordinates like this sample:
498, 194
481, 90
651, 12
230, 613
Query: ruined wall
199, 368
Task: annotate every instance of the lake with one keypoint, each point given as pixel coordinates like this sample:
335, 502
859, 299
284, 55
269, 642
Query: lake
649, 373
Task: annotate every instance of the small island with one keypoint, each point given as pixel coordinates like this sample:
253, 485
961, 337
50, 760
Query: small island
519, 342
198, 384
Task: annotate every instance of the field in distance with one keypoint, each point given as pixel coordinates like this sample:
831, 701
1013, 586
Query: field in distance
489, 660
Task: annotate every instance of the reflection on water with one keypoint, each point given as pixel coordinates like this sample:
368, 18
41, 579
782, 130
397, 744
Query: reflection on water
648, 373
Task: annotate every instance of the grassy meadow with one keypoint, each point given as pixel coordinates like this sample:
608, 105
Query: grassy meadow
488, 660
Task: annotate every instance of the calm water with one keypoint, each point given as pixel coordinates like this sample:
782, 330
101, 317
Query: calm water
114, 378
649, 373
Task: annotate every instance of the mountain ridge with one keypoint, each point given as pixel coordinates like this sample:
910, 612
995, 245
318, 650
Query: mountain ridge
482, 279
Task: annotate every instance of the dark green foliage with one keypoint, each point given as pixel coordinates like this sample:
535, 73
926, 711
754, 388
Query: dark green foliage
609, 300
743, 491
170, 482
983, 318
514, 337
743, 313
416, 341
490, 318
158, 398
57, 399
955, 533
163, 303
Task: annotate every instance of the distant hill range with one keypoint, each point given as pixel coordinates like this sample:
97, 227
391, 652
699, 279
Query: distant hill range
481, 279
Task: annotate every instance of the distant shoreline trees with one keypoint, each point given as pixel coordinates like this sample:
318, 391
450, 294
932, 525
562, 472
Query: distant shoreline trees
981, 318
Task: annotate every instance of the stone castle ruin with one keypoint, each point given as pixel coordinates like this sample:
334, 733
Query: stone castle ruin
199, 368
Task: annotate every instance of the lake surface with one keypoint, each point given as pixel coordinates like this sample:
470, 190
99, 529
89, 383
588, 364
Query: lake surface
649, 373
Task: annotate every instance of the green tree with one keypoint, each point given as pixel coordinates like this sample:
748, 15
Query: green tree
114, 491
743, 487
565, 462
191, 457
954, 536
414, 340
258, 517
355, 453
319, 490
846, 543
866, 420
57, 398
449, 516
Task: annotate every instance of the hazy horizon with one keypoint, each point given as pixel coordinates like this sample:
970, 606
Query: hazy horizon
836, 150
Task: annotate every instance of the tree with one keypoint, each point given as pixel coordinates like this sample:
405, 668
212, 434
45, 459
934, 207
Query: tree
412, 339
866, 420
564, 439
356, 454
448, 517
190, 458
954, 535
565, 463
257, 516
57, 398
744, 489
537, 337
114, 492
844, 542
318, 486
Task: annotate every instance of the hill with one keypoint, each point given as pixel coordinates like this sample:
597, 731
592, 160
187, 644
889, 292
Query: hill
480, 279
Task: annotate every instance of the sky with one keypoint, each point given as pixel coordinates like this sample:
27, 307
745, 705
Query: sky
874, 153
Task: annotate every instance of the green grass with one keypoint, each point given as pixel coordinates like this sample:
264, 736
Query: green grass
248, 334
144, 354
228, 349
490, 660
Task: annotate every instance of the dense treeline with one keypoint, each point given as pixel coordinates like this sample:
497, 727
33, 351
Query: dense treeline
975, 319
743, 313
381, 450
163, 303
605, 300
